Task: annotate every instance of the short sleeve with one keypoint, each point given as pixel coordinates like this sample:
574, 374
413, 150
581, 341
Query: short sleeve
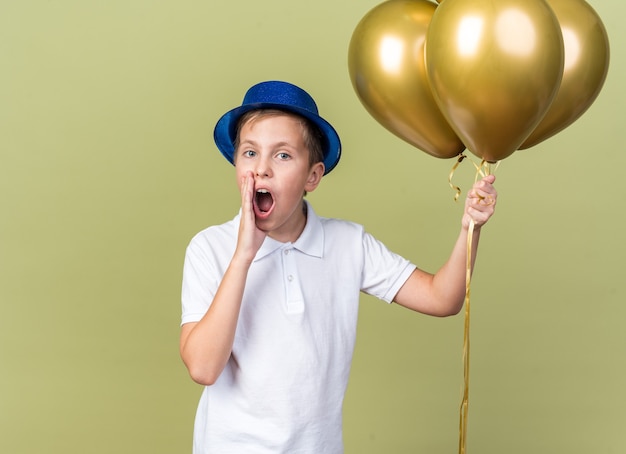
199, 282
384, 272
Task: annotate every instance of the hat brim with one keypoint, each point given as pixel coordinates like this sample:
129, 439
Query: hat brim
225, 131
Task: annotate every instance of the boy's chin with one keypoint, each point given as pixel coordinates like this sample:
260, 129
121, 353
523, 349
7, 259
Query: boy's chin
263, 224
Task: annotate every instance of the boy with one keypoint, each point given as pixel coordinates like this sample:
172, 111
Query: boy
270, 298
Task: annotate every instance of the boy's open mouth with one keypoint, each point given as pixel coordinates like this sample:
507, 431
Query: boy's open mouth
264, 200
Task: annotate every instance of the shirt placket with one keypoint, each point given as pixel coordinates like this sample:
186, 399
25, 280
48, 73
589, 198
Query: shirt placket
294, 299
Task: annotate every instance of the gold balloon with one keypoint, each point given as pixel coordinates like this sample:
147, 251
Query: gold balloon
585, 68
386, 65
494, 68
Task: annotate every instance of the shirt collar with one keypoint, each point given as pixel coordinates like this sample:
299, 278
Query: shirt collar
310, 241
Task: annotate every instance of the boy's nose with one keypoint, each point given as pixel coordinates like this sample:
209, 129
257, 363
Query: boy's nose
263, 169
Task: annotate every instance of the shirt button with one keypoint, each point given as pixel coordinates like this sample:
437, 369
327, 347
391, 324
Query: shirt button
290, 278
286, 251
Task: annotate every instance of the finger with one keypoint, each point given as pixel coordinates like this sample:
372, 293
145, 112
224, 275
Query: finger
484, 193
484, 188
484, 199
482, 203
480, 216
246, 191
244, 186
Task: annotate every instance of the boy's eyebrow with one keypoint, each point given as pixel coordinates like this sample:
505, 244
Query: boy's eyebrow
283, 144
247, 143
274, 145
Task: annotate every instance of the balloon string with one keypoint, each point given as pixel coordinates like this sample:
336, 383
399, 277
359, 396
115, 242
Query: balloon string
484, 169
481, 170
456, 189
466, 340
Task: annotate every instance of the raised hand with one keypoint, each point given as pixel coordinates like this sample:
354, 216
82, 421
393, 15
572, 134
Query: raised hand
480, 203
250, 237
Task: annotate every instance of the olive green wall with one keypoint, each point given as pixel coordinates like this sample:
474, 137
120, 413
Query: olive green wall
107, 168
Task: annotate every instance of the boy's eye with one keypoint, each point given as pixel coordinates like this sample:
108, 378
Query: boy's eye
249, 153
283, 156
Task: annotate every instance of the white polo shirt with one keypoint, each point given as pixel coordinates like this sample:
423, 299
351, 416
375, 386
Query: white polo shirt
282, 389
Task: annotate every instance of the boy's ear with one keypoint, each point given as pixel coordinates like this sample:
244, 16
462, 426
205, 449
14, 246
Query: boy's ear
315, 176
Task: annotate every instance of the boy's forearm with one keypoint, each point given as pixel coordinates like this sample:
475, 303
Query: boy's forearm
450, 281
207, 346
441, 294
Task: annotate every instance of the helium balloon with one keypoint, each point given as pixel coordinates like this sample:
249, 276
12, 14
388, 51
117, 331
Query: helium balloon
494, 67
386, 65
584, 71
